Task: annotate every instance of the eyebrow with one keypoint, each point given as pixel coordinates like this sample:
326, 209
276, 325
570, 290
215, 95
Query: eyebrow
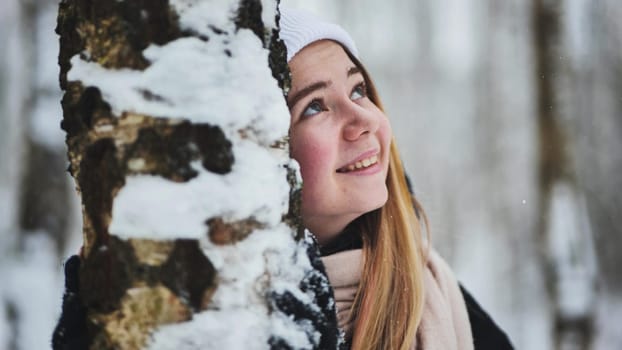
291, 102
354, 70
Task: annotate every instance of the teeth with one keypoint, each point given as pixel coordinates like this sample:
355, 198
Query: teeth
364, 163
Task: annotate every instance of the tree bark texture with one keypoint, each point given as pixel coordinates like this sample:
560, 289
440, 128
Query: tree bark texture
132, 284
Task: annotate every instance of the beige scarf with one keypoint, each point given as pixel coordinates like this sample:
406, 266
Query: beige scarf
445, 323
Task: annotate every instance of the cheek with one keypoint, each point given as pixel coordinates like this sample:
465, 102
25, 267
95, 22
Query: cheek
311, 158
315, 158
385, 131
385, 135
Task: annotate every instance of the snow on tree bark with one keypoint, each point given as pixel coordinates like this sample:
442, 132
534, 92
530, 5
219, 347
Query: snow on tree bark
176, 134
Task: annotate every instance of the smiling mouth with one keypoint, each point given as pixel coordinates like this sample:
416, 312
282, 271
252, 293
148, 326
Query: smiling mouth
358, 165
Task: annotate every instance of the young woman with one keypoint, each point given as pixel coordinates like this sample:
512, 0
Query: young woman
392, 290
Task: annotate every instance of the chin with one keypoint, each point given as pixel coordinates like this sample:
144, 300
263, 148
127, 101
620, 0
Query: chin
377, 202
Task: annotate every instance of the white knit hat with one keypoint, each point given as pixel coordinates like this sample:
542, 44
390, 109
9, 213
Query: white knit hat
300, 28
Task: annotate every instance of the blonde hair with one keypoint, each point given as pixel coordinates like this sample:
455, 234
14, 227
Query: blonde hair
389, 302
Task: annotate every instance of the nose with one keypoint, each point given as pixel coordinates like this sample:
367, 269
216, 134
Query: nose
358, 121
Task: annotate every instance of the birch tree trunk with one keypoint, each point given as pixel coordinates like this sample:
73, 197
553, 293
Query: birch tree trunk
566, 238
176, 134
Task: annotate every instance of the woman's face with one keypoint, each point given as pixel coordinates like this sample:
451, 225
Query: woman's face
339, 137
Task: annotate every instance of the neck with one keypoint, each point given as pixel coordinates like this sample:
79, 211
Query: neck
350, 238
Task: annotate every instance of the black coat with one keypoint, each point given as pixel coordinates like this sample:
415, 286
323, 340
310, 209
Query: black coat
486, 334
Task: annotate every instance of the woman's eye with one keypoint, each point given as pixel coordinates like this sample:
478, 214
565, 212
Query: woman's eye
359, 91
313, 108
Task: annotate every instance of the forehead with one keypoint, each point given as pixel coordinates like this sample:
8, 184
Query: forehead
319, 60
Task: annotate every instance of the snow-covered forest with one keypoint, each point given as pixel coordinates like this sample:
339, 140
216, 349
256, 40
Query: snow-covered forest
509, 118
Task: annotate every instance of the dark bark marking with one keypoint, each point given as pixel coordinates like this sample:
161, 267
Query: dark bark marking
217, 30
169, 151
113, 32
277, 59
249, 16
99, 177
293, 217
215, 148
188, 272
221, 232
165, 154
107, 274
151, 96
88, 108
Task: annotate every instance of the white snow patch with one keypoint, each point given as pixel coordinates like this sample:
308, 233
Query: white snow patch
245, 270
286, 273
283, 327
200, 82
268, 13
256, 186
195, 14
240, 328
239, 316
242, 268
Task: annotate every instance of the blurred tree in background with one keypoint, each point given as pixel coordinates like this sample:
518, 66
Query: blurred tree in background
38, 207
509, 117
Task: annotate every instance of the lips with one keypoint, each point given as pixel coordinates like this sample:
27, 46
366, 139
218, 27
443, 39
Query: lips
359, 164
